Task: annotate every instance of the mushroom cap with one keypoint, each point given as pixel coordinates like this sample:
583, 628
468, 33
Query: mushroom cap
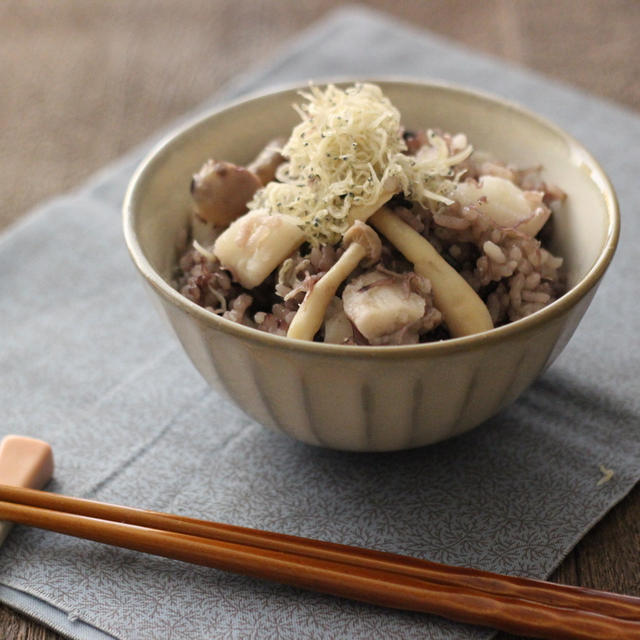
365, 236
221, 191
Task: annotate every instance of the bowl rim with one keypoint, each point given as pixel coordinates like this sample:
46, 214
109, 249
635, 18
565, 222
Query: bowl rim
451, 345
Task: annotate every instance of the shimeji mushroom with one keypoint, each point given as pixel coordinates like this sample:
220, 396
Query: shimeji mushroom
360, 242
221, 191
463, 310
267, 161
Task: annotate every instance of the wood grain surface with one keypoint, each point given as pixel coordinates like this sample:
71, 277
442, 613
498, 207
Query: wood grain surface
85, 80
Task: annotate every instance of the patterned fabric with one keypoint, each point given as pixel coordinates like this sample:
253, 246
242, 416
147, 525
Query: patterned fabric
86, 364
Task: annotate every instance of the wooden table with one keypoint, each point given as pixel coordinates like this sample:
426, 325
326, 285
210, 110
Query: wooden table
85, 80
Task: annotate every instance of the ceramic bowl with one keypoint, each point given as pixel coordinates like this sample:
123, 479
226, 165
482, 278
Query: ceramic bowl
374, 398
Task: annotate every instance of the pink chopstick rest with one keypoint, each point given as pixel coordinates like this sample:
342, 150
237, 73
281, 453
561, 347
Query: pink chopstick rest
24, 462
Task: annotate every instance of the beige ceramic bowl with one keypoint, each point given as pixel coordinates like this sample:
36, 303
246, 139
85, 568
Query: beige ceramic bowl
374, 398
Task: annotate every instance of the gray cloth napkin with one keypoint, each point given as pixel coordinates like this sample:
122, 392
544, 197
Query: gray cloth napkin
86, 365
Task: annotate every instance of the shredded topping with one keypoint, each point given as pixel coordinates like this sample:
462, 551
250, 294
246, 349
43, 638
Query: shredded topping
345, 152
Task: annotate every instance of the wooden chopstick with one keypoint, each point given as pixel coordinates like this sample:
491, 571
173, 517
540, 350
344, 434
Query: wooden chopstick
517, 605
615, 605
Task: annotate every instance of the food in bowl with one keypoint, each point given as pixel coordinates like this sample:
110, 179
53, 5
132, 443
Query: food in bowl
374, 398
357, 231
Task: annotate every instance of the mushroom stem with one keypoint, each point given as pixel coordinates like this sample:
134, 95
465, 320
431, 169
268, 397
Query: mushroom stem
463, 310
267, 161
310, 314
359, 242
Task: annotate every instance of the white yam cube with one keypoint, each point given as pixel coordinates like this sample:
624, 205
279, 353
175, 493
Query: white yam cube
255, 244
337, 327
505, 203
380, 309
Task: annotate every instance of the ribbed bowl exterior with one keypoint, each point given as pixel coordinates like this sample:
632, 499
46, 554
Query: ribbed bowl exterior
358, 403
